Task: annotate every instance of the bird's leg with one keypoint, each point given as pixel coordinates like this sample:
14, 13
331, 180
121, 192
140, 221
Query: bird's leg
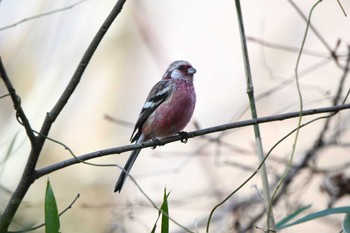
184, 136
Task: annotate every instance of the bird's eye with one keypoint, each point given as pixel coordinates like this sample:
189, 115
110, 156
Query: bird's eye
181, 67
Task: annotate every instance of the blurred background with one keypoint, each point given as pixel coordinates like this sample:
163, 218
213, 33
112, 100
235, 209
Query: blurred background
40, 56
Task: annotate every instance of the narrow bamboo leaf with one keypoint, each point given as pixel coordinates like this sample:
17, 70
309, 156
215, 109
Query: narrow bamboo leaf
159, 213
52, 221
319, 214
346, 223
165, 215
284, 221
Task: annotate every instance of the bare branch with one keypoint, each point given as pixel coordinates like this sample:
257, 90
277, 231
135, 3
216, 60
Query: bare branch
317, 146
17, 104
28, 175
118, 150
286, 48
41, 15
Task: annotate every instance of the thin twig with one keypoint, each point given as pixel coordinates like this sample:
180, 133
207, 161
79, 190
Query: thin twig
119, 121
53, 114
318, 144
260, 165
41, 15
305, 18
341, 7
301, 106
286, 48
17, 104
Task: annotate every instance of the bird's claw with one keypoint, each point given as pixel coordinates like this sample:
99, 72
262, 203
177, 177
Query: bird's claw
156, 142
184, 136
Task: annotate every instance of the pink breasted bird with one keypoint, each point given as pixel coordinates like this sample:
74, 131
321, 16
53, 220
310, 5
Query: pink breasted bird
167, 110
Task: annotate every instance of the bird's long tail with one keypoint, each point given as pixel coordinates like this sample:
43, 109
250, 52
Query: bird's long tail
127, 167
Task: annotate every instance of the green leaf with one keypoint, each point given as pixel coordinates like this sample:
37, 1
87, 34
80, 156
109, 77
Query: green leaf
346, 223
319, 214
165, 218
291, 216
165, 215
52, 220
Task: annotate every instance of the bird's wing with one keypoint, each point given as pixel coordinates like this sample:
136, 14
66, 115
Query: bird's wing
158, 94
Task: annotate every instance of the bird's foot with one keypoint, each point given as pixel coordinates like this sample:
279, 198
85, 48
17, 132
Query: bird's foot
184, 136
156, 142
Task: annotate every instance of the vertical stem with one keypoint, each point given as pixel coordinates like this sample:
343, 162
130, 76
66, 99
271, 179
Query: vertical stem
283, 179
259, 147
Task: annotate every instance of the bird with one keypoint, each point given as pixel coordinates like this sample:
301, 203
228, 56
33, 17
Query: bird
167, 110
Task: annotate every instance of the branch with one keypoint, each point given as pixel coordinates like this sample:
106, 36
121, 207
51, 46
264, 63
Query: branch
286, 47
318, 144
41, 15
28, 176
21, 116
118, 150
51, 116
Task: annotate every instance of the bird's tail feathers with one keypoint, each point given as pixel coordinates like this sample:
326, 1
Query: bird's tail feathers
125, 173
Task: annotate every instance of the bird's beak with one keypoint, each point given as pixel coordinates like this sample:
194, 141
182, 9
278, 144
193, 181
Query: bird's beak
191, 70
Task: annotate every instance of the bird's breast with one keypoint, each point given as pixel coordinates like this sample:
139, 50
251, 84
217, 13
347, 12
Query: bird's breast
173, 114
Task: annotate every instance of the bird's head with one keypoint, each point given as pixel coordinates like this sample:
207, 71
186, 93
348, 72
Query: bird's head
180, 70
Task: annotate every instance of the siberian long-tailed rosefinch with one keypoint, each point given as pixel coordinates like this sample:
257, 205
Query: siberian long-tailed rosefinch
167, 110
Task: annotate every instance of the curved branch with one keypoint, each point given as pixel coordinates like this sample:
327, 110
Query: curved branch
118, 150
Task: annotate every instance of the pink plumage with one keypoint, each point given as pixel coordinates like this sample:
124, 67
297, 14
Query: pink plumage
166, 111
